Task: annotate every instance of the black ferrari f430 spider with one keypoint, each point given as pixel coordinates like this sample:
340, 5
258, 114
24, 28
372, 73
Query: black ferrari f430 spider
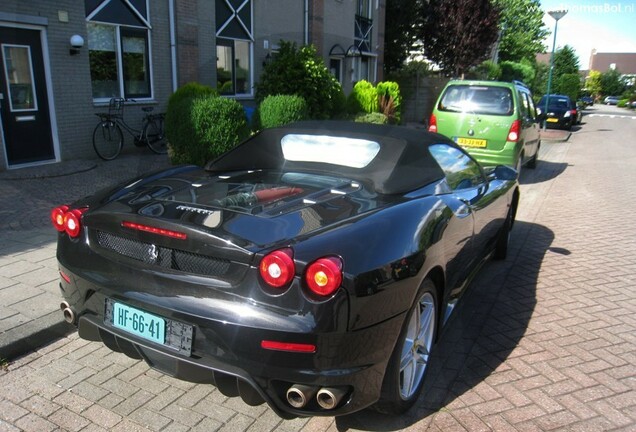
311, 267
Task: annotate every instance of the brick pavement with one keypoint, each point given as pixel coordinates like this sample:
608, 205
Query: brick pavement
543, 341
29, 292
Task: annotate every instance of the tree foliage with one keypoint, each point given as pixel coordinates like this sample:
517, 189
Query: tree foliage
593, 83
459, 34
611, 84
404, 20
301, 72
521, 71
565, 62
522, 29
570, 85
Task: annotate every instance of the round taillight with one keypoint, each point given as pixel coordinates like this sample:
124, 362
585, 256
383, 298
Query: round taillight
72, 224
324, 275
277, 268
57, 217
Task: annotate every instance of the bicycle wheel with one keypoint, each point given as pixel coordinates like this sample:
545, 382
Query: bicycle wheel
155, 136
107, 140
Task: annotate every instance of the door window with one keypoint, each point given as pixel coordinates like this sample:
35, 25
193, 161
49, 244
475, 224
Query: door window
18, 72
234, 45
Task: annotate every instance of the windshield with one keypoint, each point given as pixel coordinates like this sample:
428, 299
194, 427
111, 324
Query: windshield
477, 100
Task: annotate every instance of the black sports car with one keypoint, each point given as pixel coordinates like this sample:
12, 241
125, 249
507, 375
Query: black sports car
310, 268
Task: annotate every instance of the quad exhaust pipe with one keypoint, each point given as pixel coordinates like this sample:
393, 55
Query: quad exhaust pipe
328, 398
69, 315
299, 394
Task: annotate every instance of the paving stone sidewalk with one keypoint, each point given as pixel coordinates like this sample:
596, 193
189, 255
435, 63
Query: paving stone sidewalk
29, 292
543, 341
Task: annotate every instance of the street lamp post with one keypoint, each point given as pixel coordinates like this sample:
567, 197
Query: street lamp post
557, 15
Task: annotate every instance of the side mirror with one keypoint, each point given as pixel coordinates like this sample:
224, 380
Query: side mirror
502, 172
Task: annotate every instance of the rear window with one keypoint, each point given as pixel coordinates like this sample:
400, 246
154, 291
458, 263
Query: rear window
556, 102
477, 100
348, 152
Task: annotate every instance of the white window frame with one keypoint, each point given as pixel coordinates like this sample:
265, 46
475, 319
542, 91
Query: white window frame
118, 50
6, 76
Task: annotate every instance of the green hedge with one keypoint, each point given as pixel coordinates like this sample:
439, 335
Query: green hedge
363, 98
390, 100
280, 110
191, 90
203, 128
375, 118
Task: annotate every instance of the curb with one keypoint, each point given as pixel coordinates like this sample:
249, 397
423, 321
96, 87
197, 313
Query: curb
563, 138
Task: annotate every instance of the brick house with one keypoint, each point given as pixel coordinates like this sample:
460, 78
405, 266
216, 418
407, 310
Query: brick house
62, 61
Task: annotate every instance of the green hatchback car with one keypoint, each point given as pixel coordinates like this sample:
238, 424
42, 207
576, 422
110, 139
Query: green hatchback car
496, 122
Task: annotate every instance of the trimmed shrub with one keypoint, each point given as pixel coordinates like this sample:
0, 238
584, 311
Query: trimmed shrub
191, 90
210, 126
622, 103
375, 118
280, 110
301, 72
363, 98
389, 100
179, 130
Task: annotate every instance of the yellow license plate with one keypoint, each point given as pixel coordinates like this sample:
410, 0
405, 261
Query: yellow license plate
552, 120
471, 142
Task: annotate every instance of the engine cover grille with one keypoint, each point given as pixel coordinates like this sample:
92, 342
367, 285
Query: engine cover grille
168, 258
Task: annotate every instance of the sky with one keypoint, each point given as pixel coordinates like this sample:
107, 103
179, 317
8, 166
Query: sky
608, 26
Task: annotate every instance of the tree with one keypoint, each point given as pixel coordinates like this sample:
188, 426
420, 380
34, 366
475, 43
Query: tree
404, 23
522, 29
301, 72
593, 83
459, 34
566, 62
521, 71
611, 84
570, 85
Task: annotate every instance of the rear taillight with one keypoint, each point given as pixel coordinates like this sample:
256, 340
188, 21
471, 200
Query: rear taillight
154, 230
72, 222
57, 217
432, 123
513, 133
277, 268
573, 112
324, 275
67, 220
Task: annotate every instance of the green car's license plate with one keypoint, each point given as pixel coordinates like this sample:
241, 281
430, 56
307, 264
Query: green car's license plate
140, 323
471, 142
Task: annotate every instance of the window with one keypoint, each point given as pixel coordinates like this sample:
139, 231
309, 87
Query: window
461, 171
234, 45
363, 26
348, 152
18, 71
118, 49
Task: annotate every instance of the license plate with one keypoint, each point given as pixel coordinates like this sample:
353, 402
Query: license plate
471, 142
552, 120
140, 323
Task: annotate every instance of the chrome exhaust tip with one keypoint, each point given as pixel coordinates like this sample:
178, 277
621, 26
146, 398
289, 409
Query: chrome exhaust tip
69, 315
329, 397
299, 394
64, 305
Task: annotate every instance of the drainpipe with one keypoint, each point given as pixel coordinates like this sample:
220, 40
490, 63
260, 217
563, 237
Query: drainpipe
306, 22
173, 45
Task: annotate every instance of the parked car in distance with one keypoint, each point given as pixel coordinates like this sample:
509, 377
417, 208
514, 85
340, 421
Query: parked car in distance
611, 100
494, 121
561, 112
312, 267
587, 100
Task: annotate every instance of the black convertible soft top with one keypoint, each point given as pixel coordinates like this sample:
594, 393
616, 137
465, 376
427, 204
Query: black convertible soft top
402, 164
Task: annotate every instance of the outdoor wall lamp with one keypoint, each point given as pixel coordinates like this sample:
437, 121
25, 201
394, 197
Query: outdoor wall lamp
76, 43
267, 60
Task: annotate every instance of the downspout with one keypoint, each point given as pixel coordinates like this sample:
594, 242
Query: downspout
306, 42
173, 45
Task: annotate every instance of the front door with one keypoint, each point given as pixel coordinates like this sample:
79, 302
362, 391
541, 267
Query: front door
24, 107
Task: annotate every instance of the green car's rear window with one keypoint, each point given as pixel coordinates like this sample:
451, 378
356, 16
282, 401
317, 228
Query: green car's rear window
477, 100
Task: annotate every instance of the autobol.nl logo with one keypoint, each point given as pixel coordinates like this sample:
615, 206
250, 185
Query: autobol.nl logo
600, 8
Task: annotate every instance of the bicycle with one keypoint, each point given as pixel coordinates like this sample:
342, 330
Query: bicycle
108, 138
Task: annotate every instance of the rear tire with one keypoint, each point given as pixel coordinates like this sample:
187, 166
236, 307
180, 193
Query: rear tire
405, 373
155, 136
503, 239
107, 140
